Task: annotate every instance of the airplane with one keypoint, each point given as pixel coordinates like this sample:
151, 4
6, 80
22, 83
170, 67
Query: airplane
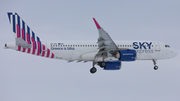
105, 52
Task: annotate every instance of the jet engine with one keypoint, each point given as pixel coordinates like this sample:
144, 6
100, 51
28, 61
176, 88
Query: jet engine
126, 55
111, 65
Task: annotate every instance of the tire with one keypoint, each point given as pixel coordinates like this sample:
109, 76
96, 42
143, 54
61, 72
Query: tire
93, 70
155, 67
103, 64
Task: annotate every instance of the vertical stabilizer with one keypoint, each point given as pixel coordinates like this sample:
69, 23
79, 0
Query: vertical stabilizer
26, 40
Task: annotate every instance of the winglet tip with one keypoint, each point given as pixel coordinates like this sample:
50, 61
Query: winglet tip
97, 25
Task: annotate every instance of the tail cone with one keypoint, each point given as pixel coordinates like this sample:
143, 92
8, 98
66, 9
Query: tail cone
6, 45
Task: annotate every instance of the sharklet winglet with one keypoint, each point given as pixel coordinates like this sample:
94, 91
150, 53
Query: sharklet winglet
97, 25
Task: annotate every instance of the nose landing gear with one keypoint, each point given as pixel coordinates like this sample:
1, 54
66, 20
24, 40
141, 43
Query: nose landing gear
155, 66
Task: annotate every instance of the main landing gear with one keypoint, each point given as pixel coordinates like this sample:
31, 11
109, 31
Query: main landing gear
93, 69
155, 66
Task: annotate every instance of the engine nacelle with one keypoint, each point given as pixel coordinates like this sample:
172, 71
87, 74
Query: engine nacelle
111, 65
126, 55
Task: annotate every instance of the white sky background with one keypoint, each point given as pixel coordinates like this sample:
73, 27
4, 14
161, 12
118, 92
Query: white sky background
25, 77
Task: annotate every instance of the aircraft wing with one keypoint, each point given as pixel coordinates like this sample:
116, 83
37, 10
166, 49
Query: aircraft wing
105, 43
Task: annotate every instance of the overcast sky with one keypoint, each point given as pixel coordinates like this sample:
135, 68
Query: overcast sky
25, 77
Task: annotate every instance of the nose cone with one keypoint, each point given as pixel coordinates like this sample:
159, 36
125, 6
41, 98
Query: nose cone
174, 53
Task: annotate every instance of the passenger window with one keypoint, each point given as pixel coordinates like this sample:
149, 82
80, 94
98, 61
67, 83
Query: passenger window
167, 46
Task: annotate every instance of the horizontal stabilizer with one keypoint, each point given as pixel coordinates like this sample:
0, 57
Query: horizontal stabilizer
22, 43
70, 61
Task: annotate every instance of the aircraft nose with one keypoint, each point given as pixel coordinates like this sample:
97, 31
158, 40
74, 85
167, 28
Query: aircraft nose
175, 53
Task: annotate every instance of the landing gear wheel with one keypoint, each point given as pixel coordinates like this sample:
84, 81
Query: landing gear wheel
93, 70
103, 64
155, 67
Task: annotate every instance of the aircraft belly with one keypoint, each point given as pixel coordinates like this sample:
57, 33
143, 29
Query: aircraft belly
76, 55
65, 55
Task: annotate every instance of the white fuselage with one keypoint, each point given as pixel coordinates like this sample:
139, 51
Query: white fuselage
86, 50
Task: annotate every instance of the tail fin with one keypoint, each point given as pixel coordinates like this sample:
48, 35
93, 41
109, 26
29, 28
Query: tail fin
26, 40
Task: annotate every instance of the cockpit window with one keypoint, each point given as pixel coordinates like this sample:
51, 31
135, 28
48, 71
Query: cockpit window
167, 46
